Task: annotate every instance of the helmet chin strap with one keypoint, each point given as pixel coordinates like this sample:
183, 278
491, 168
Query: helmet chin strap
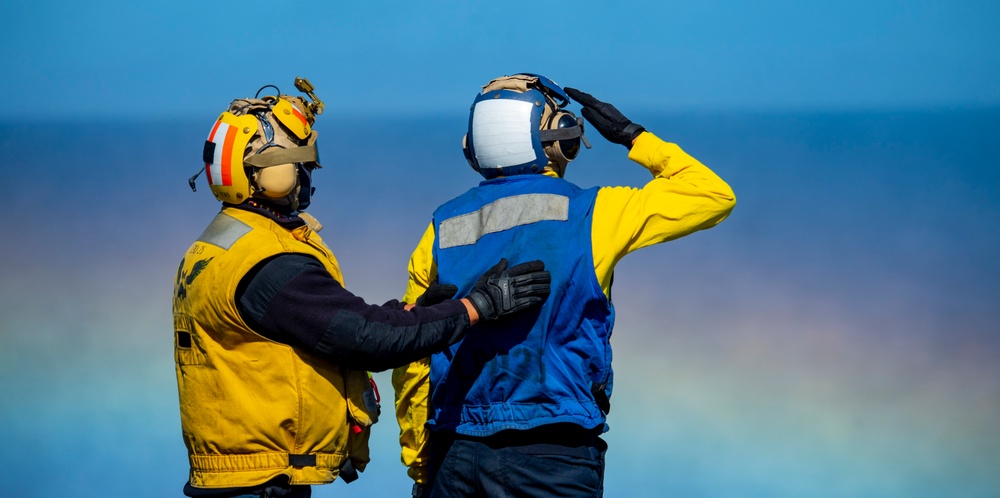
290, 200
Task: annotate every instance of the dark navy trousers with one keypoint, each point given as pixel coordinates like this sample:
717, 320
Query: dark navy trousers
559, 460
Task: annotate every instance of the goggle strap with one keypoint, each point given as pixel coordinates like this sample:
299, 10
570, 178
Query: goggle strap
274, 157
560, 134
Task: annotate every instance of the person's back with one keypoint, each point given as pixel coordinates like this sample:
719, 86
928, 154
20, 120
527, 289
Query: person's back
542, 367
520, 410
271, 350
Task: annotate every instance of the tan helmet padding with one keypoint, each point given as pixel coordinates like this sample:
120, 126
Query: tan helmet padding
522, 83
518, 83
284, 137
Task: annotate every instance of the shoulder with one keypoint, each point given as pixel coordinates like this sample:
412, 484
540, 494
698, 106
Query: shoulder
284, 267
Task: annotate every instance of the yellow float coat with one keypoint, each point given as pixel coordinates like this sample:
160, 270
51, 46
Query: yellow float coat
251, 408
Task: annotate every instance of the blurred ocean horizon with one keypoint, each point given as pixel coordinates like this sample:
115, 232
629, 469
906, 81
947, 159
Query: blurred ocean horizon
837, 336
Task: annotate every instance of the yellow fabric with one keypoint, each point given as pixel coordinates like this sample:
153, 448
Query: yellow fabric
412, 400
411, 382
684, 196
247, 402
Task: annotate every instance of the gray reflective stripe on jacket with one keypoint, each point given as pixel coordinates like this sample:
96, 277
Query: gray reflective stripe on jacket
502, 214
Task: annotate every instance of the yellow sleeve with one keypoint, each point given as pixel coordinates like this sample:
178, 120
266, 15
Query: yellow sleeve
411, 383
422, 269
683, 197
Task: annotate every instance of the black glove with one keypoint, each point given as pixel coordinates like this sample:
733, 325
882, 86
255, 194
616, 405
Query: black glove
436, 293
608, 120
497, 268
501, 291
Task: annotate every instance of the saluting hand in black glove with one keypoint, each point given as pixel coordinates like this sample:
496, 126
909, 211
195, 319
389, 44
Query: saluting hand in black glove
608, 120
502, 291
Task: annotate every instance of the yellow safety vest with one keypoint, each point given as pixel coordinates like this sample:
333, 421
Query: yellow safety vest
251, 408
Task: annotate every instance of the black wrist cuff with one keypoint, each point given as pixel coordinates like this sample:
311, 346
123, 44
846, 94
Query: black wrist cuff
482, 304
632, 130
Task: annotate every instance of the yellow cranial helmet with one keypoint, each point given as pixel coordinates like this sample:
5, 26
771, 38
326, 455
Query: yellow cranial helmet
264, 147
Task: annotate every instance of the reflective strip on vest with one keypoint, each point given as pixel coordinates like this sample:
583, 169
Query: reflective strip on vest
224, 231
502, 214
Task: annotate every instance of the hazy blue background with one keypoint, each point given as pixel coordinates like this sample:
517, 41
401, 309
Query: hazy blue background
837, 336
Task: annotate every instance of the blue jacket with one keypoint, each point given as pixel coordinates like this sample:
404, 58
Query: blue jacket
541, 367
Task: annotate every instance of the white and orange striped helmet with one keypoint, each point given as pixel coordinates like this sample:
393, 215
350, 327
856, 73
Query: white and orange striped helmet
260, 147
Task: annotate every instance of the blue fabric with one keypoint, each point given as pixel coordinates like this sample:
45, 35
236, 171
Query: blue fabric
538, 367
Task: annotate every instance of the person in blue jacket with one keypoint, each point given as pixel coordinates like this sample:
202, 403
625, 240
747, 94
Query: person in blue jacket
519, 411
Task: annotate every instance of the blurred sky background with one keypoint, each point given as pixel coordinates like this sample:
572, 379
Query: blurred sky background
836, 336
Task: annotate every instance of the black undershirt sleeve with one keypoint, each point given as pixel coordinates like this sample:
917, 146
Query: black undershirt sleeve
292, 299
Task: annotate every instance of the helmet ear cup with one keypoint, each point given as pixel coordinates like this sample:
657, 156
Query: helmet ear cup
561, 151
278, 181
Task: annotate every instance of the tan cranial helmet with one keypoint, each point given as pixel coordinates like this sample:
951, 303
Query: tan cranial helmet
265, 147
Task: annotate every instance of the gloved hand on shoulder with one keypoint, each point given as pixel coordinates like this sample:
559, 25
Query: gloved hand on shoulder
436, 293
608, 120
501, 291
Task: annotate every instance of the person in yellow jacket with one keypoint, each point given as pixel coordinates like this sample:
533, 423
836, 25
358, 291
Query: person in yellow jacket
272, 353
519, 411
